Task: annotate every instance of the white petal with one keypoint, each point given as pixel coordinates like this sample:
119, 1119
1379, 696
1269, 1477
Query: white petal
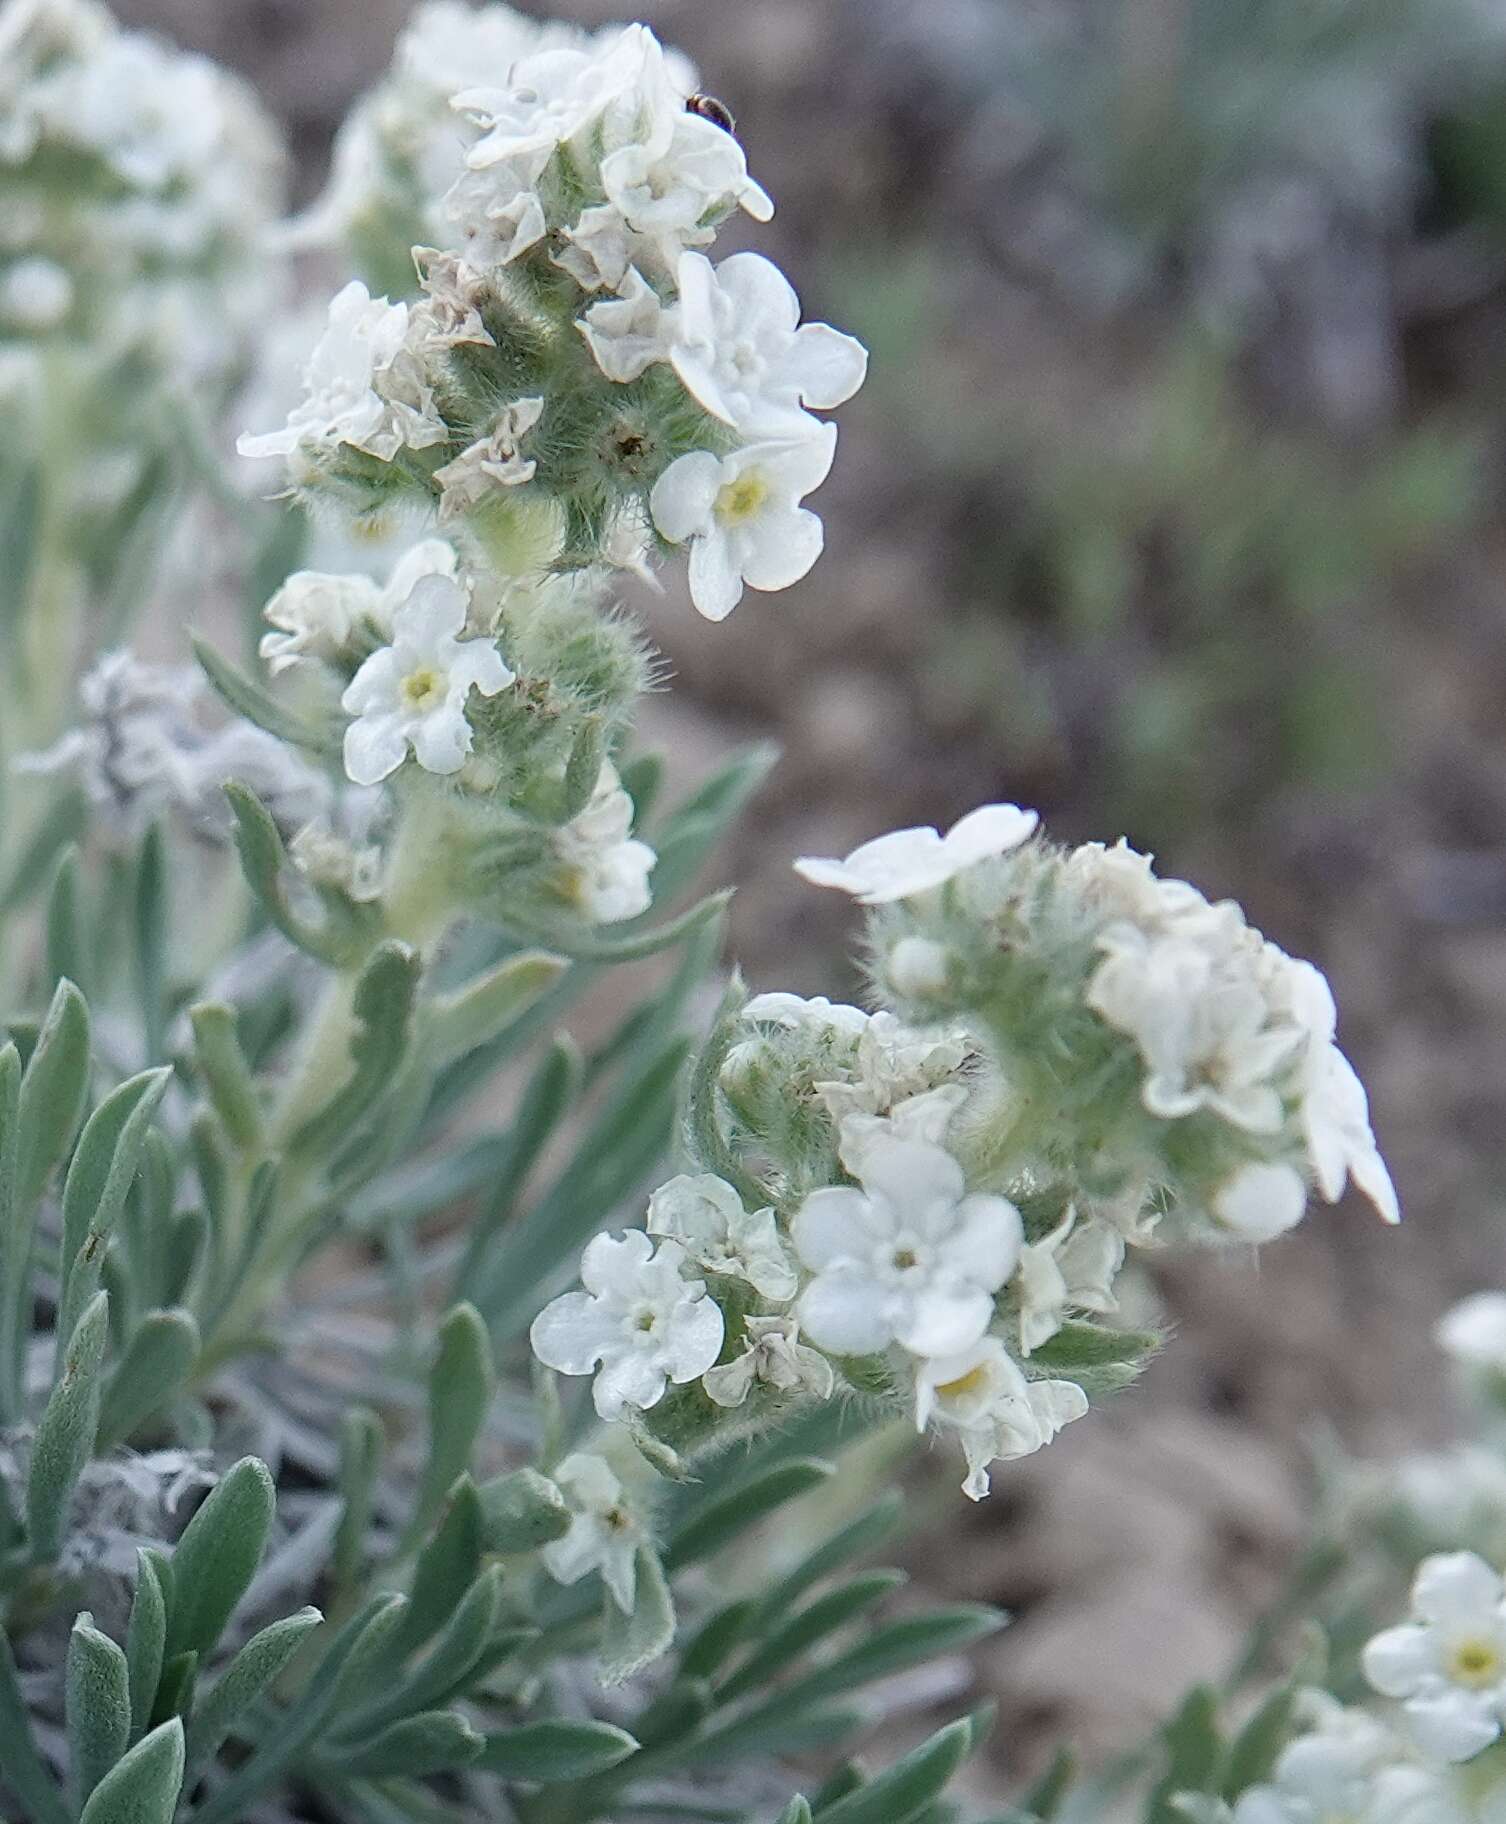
942, 1321
610, 1262
1398, 1660
683, 496
716, 584
827, 366
1454, 1725
986, 1241
478, 664
731, 1384
844, 1312
837, 1223
375, 746
442, 740
375, 685
993, 829
1261, 1201
693, 1338
571, 1333
760, 291
780, 548
630, 1378
436, 606
1455, 1587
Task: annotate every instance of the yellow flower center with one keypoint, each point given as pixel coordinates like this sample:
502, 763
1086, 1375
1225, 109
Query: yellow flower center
423, 690
974, 1381
1474, 1663
740, 500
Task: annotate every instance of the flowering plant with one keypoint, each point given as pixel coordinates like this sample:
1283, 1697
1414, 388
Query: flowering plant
282, 1542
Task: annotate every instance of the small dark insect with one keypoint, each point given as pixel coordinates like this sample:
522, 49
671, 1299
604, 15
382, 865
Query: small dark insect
709, 108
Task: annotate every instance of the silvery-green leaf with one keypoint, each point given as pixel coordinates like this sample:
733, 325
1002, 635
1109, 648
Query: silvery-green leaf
142, 1787
522, 1511
217, 1556
555, 1750
97, 1705
631, 1642
460, 1390
157, 1362
146, 1641
25, 1770
65, 1435
446, 1568
248, 1675
721, 1521
900, 1794
53, 1090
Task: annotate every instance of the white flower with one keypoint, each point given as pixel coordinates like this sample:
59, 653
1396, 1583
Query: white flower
742, 516
627, 333
450, 315
496, 222
1474, 1331
495, 459
981, 1394
706, 1216
603, 1535
667, 184
910, 1258
1071, 1269
795, 1014
314, 613
639, 1319
1448, 1664
1261, 1202
413, 692
605, 868
895, 1064
774, 1356
1195, 1006
742, 353
906, 862
1349, 1767
354, 390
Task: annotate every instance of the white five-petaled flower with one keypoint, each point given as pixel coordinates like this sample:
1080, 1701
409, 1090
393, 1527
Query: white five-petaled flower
999, 1414
1474, 1331
629, 332
775, 1356
909, 1258
605, 868
706, 1216
794, 1013
897, 1064
1448, 1664
669, 182
413, 692
907, 862
314, 613
495, 460
1071, 1269
742, 516
741, 351
639, 1320
604, 1533
356, 388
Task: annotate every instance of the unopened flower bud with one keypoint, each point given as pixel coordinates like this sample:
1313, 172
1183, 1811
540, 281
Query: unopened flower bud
919, 967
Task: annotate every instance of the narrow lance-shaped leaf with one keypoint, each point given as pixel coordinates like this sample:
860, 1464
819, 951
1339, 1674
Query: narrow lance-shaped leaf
252, 702
157, 1362
217, 1556
16, 1231
443, 1670
65, 1435
744, 1506
142, 1788
151, 938
460, 1390
554, 1750
446, 1568
360, 1460
896, 1797
97, 1706
146, 1641
249, 1674
65, 937
432, 1743
104, 1163
226, 1074
346, 928
383, 1008
487, 1006
53, 1090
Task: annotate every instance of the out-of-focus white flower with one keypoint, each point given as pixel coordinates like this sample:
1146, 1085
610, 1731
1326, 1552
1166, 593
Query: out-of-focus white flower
36, 294
910, 1258
1349, 1766
1261, 1202
605, 868
496, 460
998, 1414
629, 332
774, 1356
413, 692
353, 391
906, 862
706, 1216
1071, 1269
793, 1013
742, 516
604, 1534
1448, 1664
329, 859
742, 353
639, 1320
1474, 1331
314, 613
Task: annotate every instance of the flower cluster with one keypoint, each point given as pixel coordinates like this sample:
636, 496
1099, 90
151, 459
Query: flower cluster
141, 184
935, 1199
577, 382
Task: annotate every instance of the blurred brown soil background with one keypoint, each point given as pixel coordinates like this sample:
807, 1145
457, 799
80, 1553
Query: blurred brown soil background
1172, 507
